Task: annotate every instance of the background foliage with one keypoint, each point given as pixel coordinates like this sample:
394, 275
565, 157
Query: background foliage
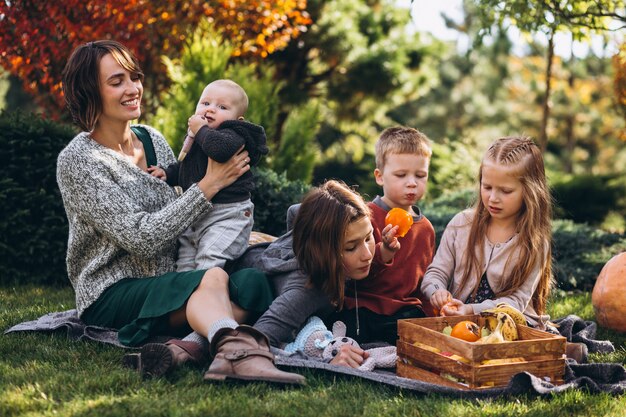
37, 37
33, 229
33, 226
326, 77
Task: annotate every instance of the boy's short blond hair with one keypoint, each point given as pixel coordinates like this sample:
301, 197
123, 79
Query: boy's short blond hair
401, 140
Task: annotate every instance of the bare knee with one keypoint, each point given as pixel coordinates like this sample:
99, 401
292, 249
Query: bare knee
214, 278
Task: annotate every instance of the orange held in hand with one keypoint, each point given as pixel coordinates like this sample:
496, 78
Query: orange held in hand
401, 218
466, 330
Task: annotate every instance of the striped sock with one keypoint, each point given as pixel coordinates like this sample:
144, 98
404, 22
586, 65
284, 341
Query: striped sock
220, 324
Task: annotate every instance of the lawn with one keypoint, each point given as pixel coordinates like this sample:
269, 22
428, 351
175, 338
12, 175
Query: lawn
50, 375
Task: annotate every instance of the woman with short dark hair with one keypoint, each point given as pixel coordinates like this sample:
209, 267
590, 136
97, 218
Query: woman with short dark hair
124, 223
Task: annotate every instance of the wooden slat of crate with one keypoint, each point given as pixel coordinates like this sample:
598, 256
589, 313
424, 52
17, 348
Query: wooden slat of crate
413, 372
428, 331
500, 374
428, 360
406, 370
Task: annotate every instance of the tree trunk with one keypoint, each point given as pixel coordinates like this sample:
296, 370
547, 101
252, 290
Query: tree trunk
543, 138
570, 140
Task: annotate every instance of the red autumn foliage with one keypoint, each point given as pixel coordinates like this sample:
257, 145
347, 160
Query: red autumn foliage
37, 37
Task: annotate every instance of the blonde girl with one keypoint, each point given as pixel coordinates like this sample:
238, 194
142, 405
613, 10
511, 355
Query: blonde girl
500, 250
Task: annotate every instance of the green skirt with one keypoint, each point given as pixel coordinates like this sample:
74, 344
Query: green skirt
139, 308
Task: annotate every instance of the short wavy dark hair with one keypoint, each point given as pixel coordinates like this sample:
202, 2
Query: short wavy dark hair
81, 79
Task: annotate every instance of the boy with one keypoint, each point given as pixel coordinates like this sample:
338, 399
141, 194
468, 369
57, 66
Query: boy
392, 289
217, 130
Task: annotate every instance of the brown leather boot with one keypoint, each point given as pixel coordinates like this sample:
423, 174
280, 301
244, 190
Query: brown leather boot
157, 359
244, 353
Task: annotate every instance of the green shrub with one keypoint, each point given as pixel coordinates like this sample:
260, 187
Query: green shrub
33, 229
580, 251
298, 150
273, 196
589, 198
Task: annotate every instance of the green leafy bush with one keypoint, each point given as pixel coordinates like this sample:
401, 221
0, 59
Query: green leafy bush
33, 229
298, 149
589, 198
273, 196
580, 251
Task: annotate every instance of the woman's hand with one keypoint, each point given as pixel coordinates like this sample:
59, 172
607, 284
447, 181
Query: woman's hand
220, 175
350, 356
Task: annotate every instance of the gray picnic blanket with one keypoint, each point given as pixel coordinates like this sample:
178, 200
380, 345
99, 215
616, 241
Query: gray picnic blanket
594, 377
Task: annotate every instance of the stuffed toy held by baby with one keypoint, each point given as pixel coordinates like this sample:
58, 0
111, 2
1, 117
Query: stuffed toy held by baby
315, 340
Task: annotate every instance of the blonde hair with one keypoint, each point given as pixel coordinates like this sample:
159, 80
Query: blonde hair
533, 224
401, 140
319, 231
242, 97
81, 79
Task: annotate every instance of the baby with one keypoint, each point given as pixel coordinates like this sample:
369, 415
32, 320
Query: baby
217, 130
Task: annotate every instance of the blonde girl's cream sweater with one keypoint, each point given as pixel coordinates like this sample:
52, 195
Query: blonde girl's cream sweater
123, 222
446, 270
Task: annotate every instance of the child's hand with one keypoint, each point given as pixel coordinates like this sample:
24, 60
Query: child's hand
390, 241
456, 308
390, 244
440, 298
195, 122
350, 356
158, 172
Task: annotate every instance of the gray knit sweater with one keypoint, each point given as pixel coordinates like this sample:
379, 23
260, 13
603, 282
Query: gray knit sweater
123, 222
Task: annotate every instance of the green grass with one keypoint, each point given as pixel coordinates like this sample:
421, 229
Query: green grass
51, 375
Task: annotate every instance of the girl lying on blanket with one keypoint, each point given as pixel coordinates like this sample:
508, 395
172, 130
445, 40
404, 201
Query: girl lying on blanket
330, 243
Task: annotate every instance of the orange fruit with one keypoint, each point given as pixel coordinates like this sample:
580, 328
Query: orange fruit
450, 307
466, 330
399, 217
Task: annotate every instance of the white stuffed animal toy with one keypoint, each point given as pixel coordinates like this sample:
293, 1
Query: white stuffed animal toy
317, 341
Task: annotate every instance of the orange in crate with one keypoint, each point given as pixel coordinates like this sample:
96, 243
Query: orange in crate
425, 353
401, 218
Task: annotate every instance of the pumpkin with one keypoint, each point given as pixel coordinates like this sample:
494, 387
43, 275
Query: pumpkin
609, 294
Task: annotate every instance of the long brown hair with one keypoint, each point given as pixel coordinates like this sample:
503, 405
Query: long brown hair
319, 231
81, 79
533, 221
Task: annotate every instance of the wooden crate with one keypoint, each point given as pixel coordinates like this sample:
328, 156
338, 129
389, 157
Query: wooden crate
543, 355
